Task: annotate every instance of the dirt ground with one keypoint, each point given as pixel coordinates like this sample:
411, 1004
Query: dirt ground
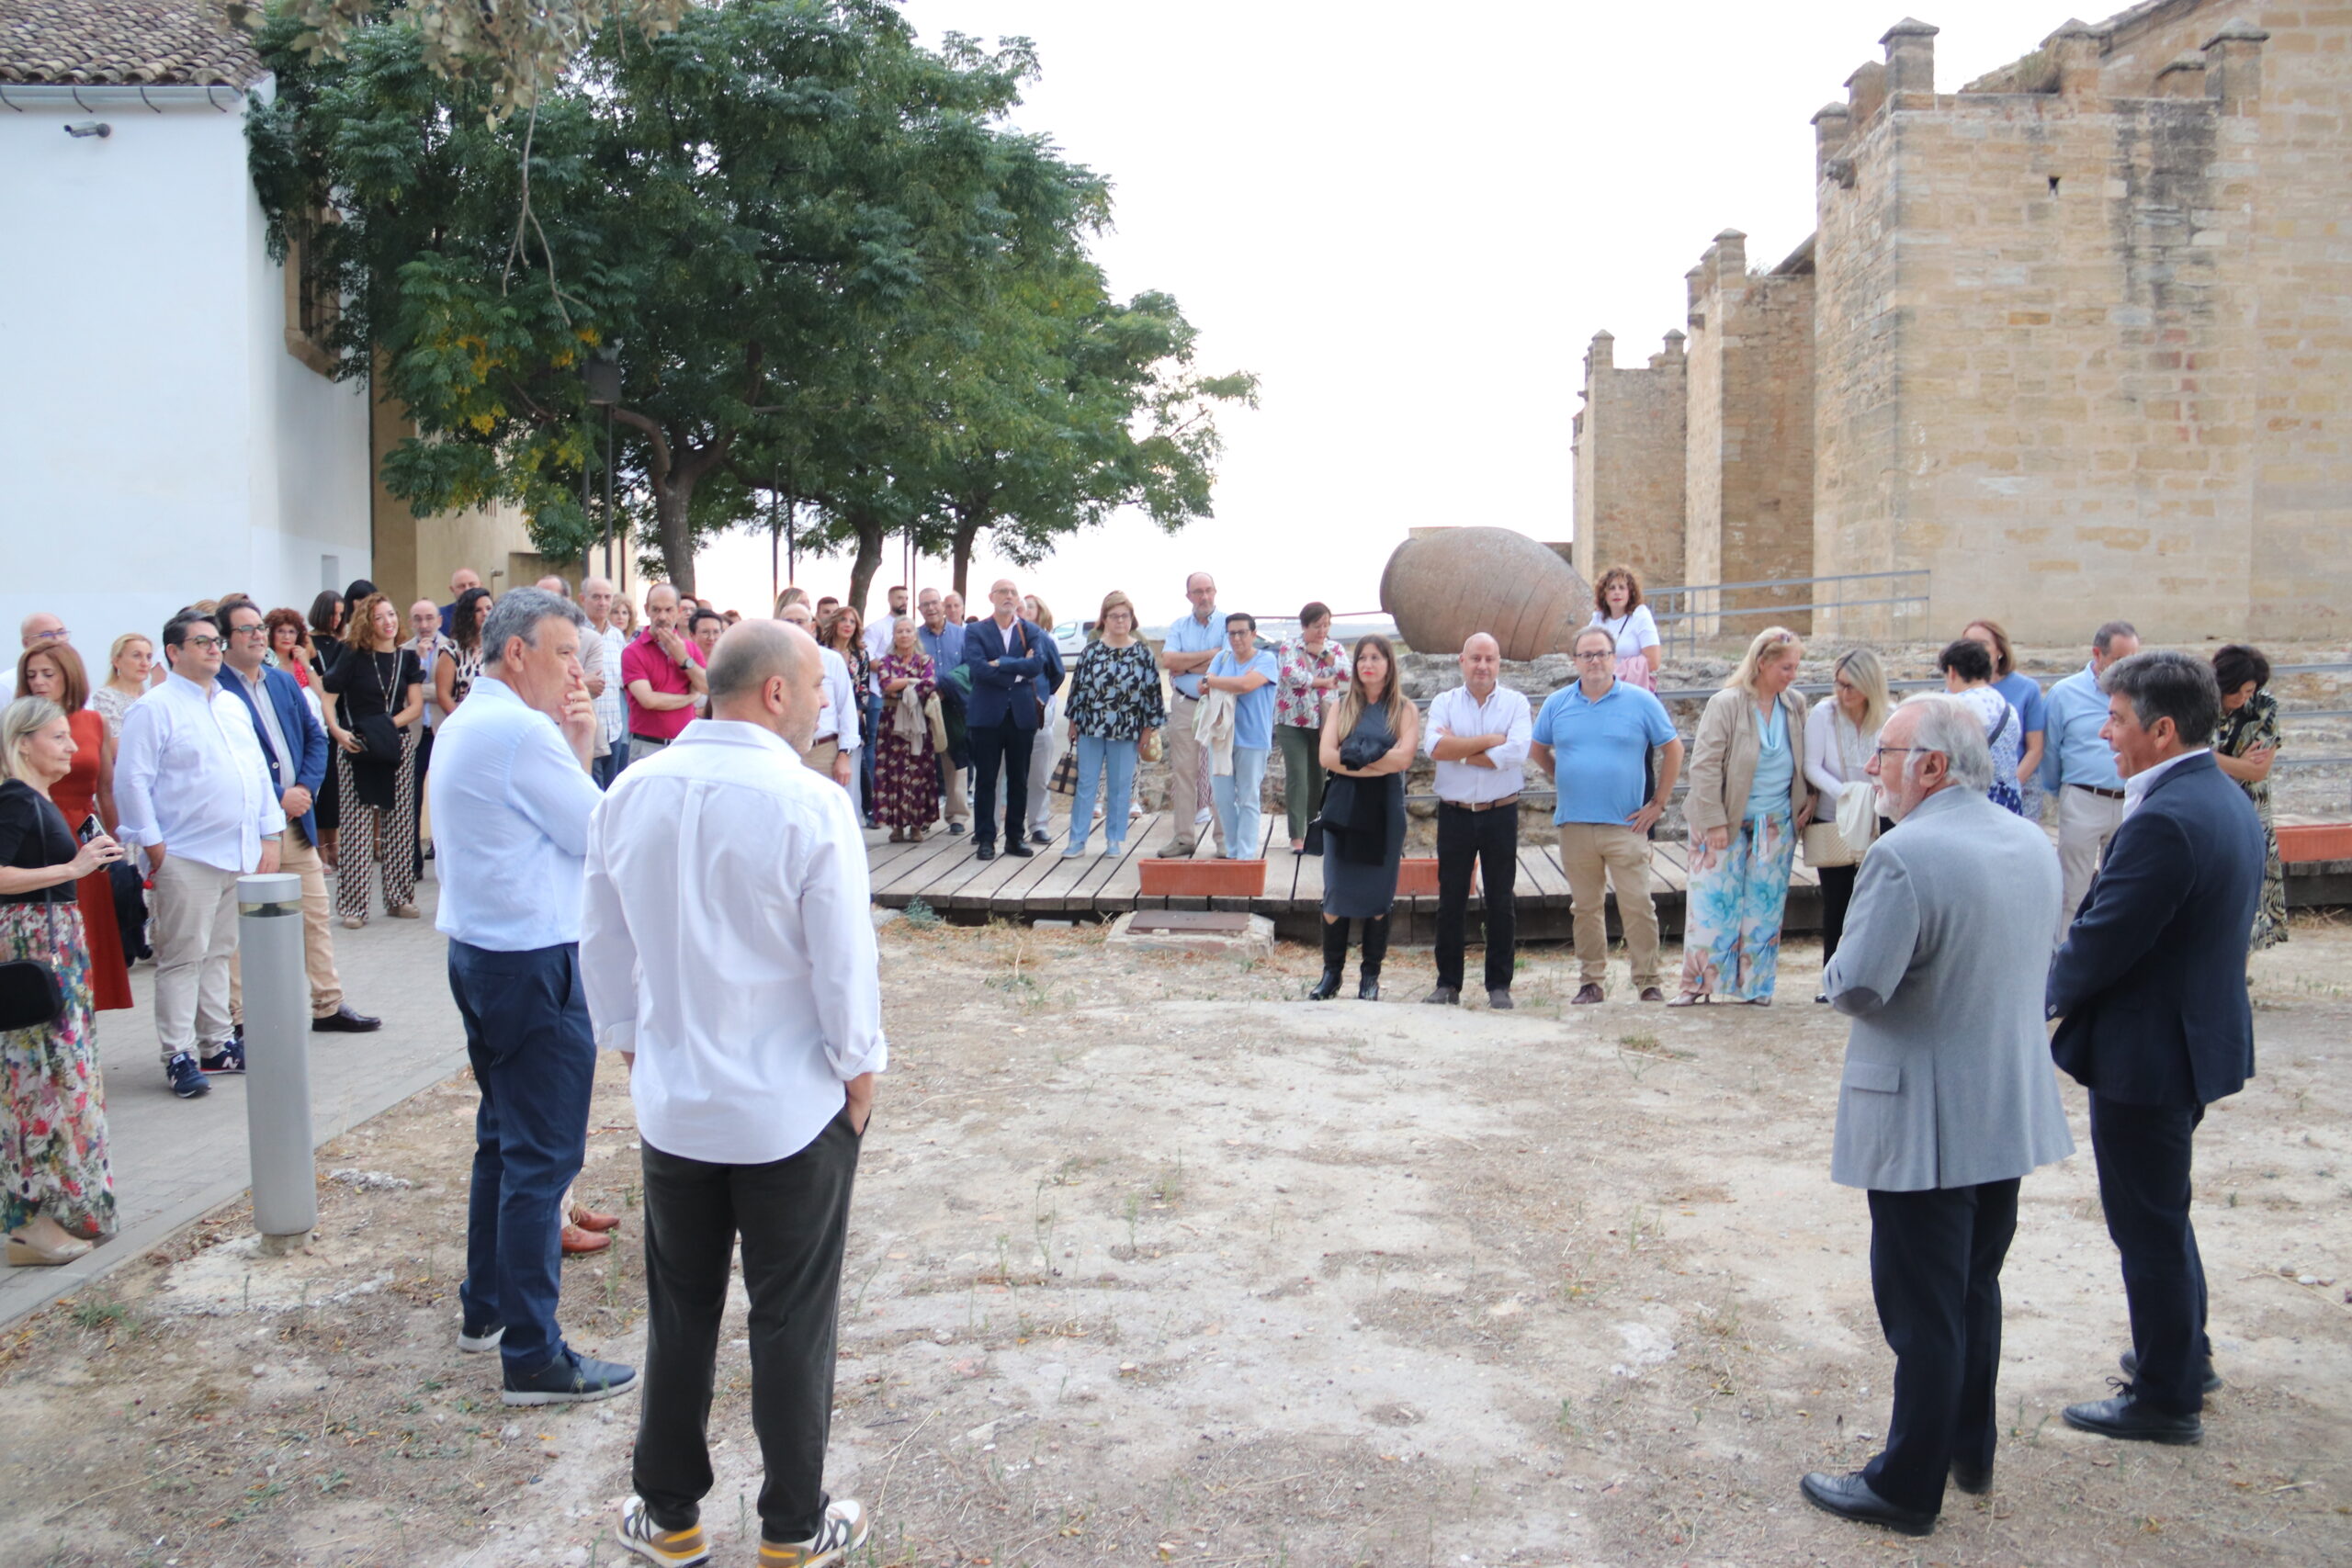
1152, 1263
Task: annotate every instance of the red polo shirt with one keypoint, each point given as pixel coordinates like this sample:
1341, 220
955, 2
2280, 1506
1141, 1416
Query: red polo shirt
643, 659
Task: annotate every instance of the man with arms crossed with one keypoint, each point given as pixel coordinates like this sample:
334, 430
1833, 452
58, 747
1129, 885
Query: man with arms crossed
2151, 986
1479, 733
732, 961
511, 803
1594, 738
1947, 1098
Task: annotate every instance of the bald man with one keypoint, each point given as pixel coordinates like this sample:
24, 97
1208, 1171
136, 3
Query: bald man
464, 577
553, 584
661, 670
730, 957
40, 629
1478, 733
833, 745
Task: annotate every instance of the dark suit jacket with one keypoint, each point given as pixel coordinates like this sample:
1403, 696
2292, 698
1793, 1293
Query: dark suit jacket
305, 736
2151, 980
1009, 688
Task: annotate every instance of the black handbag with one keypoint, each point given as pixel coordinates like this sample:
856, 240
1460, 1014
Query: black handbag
379, 738
31, 996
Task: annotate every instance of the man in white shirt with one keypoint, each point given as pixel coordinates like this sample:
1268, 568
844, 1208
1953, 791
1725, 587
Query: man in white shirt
877, 635
833, 749
730, 959
600, 646
1193, 643
192, 787
1478, 733
511, 801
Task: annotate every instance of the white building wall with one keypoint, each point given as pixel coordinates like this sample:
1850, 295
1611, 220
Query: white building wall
158, 444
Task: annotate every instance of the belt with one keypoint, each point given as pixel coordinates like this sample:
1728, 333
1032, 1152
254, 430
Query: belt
1481, 805
656, 739
2094, 789
833, 739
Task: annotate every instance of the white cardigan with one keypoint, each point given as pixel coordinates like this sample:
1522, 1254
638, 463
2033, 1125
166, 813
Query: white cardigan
1824, 767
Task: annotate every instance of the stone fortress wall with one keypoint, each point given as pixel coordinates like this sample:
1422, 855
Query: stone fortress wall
2076, 340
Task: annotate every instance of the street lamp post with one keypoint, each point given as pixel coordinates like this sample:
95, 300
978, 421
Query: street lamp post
602, 372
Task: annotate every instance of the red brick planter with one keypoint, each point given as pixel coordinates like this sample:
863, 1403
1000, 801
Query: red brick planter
2316, 840
1202, 878
1416, 877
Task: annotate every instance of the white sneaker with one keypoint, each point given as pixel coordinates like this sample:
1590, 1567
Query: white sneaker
674, 1549
842, 1532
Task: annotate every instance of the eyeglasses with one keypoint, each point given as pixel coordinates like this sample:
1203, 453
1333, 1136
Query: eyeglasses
1884, 751
1597, 653
256, 629
60, 634
205, 642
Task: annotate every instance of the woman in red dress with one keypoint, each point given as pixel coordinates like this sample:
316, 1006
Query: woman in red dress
55, 672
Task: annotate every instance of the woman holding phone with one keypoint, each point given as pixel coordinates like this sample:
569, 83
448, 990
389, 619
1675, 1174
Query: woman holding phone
85, 797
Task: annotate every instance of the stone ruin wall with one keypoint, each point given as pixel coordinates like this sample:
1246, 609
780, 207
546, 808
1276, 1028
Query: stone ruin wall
1628, 449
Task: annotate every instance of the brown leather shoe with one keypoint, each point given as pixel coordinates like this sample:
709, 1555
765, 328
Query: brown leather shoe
587, 1219
1652, 994
1590, 994
576, 1241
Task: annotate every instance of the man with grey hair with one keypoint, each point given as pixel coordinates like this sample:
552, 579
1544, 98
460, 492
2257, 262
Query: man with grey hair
731, 960
512, 800
1194, 639
40, 629
1947, 1100
601, 646
2150, 987
832, 748
2077, 769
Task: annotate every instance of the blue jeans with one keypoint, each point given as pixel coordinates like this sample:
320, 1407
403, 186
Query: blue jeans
607, 768
534, 1062
1235, 797
869, 727
1114, 763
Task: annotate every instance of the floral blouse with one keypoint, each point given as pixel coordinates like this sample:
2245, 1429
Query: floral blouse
2253, 727
1295, 694
1114, 692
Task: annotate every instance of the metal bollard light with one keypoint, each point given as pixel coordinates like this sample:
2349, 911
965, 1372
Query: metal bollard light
278, 1060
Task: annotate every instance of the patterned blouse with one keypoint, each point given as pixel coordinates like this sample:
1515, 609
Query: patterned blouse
1295, 694
111, 705
1114, 692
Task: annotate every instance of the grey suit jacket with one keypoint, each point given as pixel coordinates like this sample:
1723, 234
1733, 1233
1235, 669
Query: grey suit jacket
1947, 1079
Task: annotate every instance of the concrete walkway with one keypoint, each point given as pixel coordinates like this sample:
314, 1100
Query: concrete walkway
173, 1159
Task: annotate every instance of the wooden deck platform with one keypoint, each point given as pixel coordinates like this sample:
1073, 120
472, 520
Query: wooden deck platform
943, 873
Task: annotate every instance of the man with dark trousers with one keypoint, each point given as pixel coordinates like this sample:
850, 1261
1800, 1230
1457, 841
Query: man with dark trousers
1478, 733
1004, 655
2150, 985
1947, 1100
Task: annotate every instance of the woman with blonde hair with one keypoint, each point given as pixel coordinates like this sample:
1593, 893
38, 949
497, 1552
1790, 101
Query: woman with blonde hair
1366, 748
59, 1193
1748, 800
129, 663
1115, 707
376, 692
1838, 741
1617, 607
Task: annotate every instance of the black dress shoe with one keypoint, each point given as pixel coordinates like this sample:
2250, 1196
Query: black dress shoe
2133, 1419
2132, 1370
1498, 998
1444, 996
1851, 1497
1969, 1479
984, 852
1041, 838
1017, 848
344, 1021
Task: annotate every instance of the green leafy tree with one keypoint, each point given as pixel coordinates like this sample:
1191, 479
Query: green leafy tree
747, 213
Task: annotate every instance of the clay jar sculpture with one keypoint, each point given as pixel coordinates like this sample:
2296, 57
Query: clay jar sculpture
1449, 583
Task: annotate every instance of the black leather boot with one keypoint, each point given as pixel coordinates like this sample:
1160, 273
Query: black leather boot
1375, 948
1335, 958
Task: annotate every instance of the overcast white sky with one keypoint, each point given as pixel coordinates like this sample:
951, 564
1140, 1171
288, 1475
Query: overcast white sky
1410, 231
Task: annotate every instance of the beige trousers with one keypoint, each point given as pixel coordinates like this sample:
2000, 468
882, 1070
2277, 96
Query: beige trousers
1187, 760
818, 758
1593, 853
192, 926
318, 931
2086, 822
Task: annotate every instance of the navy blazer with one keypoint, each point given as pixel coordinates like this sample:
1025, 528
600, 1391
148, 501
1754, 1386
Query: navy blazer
302, 730
1009, 688
2151, 980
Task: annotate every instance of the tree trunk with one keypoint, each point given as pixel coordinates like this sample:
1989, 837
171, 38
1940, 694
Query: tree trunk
966, 536
872, 534
672, 494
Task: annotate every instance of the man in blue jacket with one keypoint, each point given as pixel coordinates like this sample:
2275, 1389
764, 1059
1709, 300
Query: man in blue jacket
2151, 985
1005, 655
296, 744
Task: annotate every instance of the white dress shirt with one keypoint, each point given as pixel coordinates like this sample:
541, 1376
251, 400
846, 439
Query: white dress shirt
730, 945
1505, 712
189, 775
510, 804
612, 711
841, 698
878, 638
2136, 787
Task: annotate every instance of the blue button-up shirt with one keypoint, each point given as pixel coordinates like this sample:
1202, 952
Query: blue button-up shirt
2072, 753
944, 647
1189, 636
510, 804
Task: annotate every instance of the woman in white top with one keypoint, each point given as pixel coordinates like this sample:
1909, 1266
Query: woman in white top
1617, 605
1840, 736
1968, 676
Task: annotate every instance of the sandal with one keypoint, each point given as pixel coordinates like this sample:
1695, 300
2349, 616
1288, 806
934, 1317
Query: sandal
1692, 999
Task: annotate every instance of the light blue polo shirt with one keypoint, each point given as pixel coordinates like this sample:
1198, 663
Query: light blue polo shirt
1598, 748
2072, 752
1189, 636
1253, 712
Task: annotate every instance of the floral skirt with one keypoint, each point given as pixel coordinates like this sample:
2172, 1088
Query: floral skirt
2270, 915
906, 781
1731, 913
52, 1102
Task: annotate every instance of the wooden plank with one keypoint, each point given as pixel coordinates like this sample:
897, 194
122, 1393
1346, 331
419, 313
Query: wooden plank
1017, 896
1122, 889
981, 889
1538, 868
912, 874
1090, 889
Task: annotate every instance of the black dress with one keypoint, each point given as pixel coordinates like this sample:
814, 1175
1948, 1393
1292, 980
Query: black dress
365, 685
1352, 889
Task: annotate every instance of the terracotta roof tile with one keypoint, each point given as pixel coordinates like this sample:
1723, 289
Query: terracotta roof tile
125, 43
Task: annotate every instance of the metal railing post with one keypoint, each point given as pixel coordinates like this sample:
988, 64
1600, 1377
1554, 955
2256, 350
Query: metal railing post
277, 1061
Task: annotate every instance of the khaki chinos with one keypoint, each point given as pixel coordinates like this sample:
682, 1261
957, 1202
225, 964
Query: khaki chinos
1596, 856
300, 857
1185, 759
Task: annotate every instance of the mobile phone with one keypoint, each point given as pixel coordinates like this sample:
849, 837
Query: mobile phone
91, 827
